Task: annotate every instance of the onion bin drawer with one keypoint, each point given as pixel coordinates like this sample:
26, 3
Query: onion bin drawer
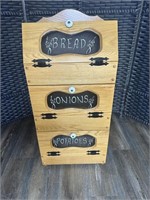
78, 107
72, 98
70, 63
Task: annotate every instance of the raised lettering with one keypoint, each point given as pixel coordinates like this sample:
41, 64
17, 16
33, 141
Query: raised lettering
69, 140
86, 98
74, 99
58, 100
83, 43
84, 140
62, 141
76, 44
80, 99
64, 100
69, 43
58, 140
62, 43
76, 140
55, 42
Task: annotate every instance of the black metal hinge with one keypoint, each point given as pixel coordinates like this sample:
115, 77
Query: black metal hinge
95, 114
48, 115
99, 61
41, 63
53, 153
93, 152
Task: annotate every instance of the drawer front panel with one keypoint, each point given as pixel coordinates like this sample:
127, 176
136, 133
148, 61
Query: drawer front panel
80, 98
89, 107
73, 48
73, 155
75, 73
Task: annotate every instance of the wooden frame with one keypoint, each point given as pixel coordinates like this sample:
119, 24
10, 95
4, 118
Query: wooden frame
59, 73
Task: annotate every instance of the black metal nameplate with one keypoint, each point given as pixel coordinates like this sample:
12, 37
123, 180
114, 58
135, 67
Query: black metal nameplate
63, 141
61, 100
84, 43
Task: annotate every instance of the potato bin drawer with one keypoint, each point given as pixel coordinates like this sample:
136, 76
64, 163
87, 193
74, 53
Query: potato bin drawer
73, 147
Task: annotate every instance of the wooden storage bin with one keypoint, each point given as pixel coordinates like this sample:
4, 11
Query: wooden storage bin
72, 118
71, 74
76, 155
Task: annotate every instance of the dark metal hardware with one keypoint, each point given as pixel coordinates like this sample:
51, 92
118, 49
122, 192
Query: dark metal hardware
99, 61
53, 153
48, 115
41, 62
93, 152
95, 114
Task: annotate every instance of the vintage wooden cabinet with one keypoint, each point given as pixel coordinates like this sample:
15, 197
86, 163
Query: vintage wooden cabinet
70, 62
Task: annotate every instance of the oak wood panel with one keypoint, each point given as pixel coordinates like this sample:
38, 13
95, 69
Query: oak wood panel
81, 158
72, 121
73, 155
38, 95
32, 32
42, 135
75, 73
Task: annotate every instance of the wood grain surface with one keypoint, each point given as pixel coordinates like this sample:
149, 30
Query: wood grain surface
70, 118
74, 73
72, 121
125, 176
32, 33
73, 155
38, 95
70, 68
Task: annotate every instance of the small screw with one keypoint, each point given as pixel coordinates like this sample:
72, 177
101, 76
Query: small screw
69, 23
73, 135
72, 89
